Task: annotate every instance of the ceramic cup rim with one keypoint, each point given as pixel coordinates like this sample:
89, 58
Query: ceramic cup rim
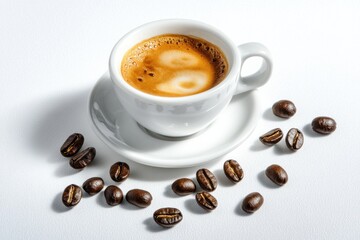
229, 49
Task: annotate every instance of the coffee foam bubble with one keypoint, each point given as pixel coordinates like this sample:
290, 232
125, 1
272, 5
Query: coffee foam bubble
178, 59
186, 82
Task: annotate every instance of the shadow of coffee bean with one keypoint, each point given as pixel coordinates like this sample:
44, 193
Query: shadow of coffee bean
269, 115
307, 129
100, 199
258, 146
170, 193
128, 206
265, 181
194, 207
57, 204
65, 170
222, 179
152, 226
239, 211
282, 149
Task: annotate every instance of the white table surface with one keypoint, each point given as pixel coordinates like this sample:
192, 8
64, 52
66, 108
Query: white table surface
53, 52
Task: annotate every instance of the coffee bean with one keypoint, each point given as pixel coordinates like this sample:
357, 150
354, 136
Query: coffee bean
71, 195
272, 137
206, 179
277, 174
294, 139
93, 185
72, 145
119, 171
323, 125
206, 200
139, 197
83, 158
167, 217
183, 186
113, 195
252, 202
284, 109
233, 170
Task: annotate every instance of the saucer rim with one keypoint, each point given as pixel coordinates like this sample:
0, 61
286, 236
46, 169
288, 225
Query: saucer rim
153, 161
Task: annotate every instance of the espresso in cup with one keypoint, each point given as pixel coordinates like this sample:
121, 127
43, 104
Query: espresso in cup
173, 82
174, 65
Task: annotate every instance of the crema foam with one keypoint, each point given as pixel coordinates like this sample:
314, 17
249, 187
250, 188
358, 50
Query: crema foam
174, 65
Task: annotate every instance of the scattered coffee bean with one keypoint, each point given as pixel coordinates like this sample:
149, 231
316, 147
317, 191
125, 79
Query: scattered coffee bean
272, 137
83, 158
206, 200
71, 195
252, 202
113, 195
294, 139
93, 185
323, 125
206, 179
139, 198
183, 186
167, 217
233, 170
72, 145
277, 174
119, 171
284, 109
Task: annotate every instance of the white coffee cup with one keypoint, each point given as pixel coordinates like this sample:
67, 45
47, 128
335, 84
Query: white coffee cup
186, 115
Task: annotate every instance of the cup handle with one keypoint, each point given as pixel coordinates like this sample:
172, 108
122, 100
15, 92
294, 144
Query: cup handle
261, 76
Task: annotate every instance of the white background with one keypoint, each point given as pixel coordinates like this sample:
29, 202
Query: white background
53, 52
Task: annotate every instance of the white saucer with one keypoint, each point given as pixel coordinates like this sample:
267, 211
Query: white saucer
121, 133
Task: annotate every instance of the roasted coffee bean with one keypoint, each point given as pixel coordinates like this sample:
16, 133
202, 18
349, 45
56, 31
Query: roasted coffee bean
119, 171
167, 217
233, 170
183, 186
272, 137
277, 174
71, 195
83, 158
113, 195
206, 200
252, 202
294, 139
139, 197
206, 179
72, 145
323, 125
93, 185
284, 109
